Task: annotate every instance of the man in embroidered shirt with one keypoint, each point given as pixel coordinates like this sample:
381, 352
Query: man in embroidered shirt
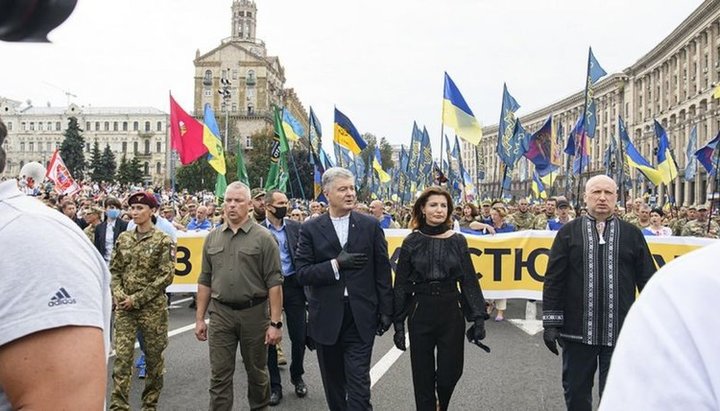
597, 262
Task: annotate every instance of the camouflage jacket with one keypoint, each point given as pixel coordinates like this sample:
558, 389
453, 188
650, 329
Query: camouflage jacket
90, 232
678, 225
142, 268
523, 221
631, 218
696, 228
541, 221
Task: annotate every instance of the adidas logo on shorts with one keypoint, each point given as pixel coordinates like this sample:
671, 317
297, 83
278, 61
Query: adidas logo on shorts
62, 297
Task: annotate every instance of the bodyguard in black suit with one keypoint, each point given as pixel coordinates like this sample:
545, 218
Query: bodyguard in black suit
342, 256
286, 231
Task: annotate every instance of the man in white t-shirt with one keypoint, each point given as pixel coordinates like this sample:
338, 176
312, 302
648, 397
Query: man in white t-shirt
54, 310
667, 356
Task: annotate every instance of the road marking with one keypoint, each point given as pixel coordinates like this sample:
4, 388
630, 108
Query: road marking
172, 333
180, 301
531, 327
387, 361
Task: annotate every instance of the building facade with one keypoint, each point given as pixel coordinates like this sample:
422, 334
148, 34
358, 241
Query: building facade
35, 132
672, 84
241, 82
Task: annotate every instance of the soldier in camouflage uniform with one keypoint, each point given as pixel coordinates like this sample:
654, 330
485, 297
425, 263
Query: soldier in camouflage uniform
699, 227
142, 266
93, 217
632, 214
682, 221
540, 222
523, 218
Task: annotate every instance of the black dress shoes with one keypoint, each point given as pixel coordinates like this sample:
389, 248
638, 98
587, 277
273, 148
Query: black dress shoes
275, 398
300, 388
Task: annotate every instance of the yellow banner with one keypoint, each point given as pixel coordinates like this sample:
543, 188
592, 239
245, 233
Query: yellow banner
509, 265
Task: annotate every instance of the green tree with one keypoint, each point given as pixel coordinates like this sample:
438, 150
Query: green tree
122, 171
258, 161
108, 164
305, 172
196, 176
135, 172
71, 149
95, 163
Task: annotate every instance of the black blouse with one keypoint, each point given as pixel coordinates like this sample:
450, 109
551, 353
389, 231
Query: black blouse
424, 259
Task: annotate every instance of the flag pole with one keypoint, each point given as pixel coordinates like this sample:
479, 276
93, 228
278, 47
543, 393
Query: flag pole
297, 175
622, 166
717, 180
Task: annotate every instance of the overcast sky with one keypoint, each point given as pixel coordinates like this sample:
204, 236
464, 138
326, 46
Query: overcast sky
380, 62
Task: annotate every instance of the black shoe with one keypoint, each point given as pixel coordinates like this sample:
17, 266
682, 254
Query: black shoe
275, 398
300, 388
193, 304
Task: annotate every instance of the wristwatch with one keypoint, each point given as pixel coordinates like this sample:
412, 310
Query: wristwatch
277, 325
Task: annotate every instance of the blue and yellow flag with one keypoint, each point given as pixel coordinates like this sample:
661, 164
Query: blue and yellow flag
538, 187
691, 162
292, 127
665, 162
347, 135
457, 114
211, 140
377, 165
635, 159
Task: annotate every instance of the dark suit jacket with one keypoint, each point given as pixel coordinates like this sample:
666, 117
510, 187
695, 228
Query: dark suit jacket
369, 288
101, 229
292, 231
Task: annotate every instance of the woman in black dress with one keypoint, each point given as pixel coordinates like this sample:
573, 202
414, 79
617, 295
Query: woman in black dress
433, 261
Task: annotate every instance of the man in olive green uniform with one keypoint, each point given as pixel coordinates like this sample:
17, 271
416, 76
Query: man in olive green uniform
683, 220
523, 217
142, 266
699, 227
240, 272
632, 214
541, 220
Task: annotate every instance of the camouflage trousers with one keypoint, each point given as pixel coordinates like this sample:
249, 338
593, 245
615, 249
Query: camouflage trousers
152, 321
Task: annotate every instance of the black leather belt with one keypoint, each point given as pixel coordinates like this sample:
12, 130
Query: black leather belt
235, 306
434, 287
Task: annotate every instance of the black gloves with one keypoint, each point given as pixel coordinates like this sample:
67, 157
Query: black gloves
384, 323
551, 336
476, 333
351, 261
399, 337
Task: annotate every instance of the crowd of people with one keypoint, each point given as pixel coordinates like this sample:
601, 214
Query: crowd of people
322, 267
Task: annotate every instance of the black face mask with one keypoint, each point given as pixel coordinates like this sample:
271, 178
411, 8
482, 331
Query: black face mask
280, 212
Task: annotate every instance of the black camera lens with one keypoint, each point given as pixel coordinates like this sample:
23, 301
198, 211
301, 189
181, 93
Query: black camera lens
32, 20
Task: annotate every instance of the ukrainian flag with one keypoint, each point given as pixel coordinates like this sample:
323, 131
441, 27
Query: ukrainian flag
666, 164
458, 115
211, 140
346, 134
377, 165
538, 187
635, 159
292, 127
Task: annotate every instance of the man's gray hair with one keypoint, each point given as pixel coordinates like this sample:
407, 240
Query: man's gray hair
334, 173
237, 185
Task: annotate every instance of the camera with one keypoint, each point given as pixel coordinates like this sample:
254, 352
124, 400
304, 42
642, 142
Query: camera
31, 21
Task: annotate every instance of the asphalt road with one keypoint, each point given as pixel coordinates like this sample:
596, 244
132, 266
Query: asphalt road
519, 374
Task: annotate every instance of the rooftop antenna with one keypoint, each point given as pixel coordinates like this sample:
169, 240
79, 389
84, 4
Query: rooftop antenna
67, 93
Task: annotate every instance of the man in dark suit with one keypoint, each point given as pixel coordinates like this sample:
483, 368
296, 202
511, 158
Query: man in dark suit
342, 256
286, 233
104, 242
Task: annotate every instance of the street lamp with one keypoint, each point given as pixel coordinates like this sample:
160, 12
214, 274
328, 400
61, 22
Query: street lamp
225, 93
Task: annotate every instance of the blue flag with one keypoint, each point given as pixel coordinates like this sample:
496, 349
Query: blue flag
691, 162
708, 155
594, 73
506, 128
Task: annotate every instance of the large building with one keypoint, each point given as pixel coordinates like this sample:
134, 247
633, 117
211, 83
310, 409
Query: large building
35, 132
239, 80
672, 84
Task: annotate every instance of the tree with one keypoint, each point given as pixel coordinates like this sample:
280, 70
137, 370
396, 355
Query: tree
108, 164
258, 162
135, 172
122, 171
96, 163
71, 149
196, 176
305, 172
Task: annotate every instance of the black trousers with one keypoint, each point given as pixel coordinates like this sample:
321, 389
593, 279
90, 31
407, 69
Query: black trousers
580, 361
296, 320
436, 323
345, 368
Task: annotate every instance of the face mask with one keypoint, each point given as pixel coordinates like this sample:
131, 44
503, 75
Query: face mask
280, 212
113, 214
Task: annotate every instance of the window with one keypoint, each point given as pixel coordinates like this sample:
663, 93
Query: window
208, 92
147, 126
248, 142
115, 126
31, 146
97, 126
147, 146
125, 126
136, 126
32, 126
48, 146
22, 147
135, 147
9, 126
158, 147
87, 126
234, 107
49, 126
124, 146
158, 168
23, 126
146, 168
107, 126
207, 80
234, 74
158, 127
40, 126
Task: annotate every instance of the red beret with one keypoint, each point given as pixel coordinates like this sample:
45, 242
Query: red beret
143, 198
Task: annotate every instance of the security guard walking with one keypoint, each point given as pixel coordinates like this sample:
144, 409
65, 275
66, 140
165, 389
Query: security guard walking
142, 266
